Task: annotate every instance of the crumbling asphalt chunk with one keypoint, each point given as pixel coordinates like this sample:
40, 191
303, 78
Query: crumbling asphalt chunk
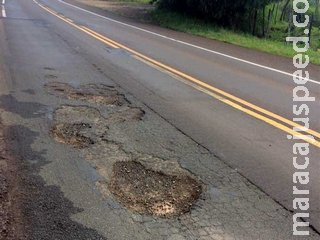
72, 134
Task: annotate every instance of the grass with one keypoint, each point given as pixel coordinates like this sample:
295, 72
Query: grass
276, 46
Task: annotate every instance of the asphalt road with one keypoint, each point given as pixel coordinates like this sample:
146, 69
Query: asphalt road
181, 82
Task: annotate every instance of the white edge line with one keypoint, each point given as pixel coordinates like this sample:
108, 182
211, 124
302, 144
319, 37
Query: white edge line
191, 45
3, 2
3, 12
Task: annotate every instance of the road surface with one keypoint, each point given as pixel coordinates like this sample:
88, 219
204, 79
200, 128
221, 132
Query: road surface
235, 103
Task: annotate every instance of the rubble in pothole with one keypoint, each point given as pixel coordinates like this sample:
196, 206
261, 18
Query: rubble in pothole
94, 93
72, 134
146, 191
143, 183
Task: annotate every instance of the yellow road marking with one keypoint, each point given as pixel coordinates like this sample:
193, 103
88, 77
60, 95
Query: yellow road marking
89, 30
202, 84
69, 21
237, 106
204, 87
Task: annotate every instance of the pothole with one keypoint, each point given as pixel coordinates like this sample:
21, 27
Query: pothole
73, 114
93, 93
72, 134
146, 191
82, 126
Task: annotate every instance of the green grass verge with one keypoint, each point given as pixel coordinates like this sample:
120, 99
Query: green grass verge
182, 23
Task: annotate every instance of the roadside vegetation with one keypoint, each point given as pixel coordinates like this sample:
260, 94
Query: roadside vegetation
136, 1
257, 24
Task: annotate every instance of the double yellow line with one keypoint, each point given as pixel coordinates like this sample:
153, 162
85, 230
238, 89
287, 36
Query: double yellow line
227, 98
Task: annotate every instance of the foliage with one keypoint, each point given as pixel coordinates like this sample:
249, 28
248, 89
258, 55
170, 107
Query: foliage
252, 16
234, 14
274, 44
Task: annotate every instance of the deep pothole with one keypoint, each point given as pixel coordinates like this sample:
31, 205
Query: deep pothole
93, 93
72, 134
146, 191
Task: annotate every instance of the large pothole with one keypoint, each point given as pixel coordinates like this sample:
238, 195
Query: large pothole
93, 93
146, 191
73, 134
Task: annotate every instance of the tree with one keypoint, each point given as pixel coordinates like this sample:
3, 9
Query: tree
284, 10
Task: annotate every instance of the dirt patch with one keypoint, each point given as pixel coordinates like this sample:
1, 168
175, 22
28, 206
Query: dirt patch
93, 93
72, 134
149, 192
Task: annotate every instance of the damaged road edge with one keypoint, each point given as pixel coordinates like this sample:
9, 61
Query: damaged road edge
11, 220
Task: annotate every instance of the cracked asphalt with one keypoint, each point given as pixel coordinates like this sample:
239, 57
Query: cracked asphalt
90, 149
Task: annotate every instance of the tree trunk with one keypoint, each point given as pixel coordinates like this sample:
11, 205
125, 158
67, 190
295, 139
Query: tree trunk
263, 21
270, 15
254, 22
310, 30
276, 13
289, 22
284, 10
